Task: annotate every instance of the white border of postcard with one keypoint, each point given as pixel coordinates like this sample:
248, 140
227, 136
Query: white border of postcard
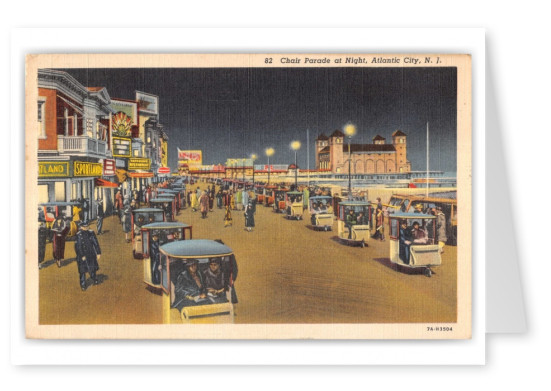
358, 352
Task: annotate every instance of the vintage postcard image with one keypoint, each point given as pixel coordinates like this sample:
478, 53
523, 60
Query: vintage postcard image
248, 196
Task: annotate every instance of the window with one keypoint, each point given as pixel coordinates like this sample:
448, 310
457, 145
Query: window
75, 125
136, 152
89, 127
66, 121
41, 117
59, 190
394, 228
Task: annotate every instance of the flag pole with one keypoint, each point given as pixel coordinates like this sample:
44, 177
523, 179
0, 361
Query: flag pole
427, 189
308, 154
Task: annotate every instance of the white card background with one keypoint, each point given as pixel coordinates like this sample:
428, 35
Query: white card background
254, 352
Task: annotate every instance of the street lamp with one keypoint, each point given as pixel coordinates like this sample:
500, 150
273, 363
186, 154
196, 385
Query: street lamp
269, 152
349, 131
295, 146
253, 158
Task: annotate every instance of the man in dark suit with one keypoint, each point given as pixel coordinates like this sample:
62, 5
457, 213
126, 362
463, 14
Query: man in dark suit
88, 254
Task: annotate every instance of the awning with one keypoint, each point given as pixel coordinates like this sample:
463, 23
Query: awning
104, 183
140, 174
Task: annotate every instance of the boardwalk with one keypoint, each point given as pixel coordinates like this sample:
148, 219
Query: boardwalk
287, 274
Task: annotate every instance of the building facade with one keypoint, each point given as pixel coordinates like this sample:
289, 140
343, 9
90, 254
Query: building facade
333, 154
73, 138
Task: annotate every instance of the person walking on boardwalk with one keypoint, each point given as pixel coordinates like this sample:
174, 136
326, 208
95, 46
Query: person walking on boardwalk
42, 236
211, 199
245, 199
126, 221
219, 197
88, 254
379, 225
204, 204
194, 201
249, 217
147, 195
119, 205
232, 200
228, 221
85, 209
77, 210
441, 228
99, 214
226, 198
305, 197
60, 229
239, 199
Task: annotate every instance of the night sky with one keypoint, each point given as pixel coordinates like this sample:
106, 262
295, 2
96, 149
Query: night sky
234, 112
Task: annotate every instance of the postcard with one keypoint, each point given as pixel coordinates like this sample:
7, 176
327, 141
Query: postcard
248, 196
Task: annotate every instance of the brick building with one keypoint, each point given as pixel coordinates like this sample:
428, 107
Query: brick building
379, 157
73, 138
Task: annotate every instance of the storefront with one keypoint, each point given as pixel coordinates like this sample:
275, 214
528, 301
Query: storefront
54, 182
69, 180
139, 171
107, 185
83, 182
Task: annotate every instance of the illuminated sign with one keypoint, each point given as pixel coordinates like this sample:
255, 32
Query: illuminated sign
147, 103
122, 124
127, 107
53, 169
122, 147
239, 162
139, 163
164, 154
109, 167
190, 157
87, 169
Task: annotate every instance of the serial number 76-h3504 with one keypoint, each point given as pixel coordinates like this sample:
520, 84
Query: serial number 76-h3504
439, 328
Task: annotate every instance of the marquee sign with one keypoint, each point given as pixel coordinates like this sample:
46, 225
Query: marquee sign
139, 163
87, 169
121, 147
109, 167
53, 169
190, 157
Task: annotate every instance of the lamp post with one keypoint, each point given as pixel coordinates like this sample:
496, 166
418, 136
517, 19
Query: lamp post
269, 152
349, 131
295, 146
253, 158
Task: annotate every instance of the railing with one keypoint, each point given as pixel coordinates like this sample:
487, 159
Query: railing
81, 145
